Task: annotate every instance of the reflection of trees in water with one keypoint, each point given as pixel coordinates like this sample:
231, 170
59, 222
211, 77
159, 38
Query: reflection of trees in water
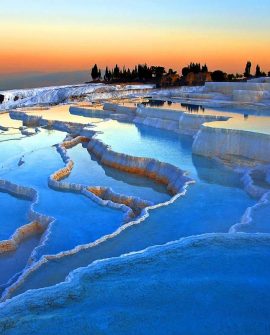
188, 107
154, 103
157, 103
193, 108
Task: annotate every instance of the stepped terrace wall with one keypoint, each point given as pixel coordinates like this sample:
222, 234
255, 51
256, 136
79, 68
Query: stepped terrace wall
170, 119
164, 173
219, 142
38, 222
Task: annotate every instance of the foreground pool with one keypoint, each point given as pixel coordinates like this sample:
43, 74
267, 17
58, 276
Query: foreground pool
213, 204
81, 202
161, 290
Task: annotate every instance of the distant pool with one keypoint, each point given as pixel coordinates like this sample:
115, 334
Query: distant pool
245, 117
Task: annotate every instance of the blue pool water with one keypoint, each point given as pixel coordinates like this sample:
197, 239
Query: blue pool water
144, 141
12, 149
78, 219
213, 204
190, 215
166, 290
14, 214
88, 171
13, 263
261, 219
218, 279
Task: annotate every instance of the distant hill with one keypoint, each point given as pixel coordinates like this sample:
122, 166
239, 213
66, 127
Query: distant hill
39, 79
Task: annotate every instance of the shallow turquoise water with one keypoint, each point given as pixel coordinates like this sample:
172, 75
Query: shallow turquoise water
14, 211
144, 141
213, 204
88, 171
14, 214
189, 215
261, 219
78, 219
221, 282
12, 263
13, 148
206, 285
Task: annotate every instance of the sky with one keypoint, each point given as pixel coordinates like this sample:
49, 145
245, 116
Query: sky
72, 35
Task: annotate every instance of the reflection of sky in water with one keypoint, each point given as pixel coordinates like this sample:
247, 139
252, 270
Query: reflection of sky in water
205, 110
252, 118
6, 121
61, 113
258, 124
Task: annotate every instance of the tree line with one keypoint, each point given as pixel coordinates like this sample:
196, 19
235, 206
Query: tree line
145, 73
138, 73
258, 72
223, 76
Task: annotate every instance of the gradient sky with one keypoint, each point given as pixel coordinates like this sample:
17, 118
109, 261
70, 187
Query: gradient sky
68, 35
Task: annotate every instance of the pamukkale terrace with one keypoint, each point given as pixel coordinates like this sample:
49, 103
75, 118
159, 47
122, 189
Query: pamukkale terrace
166, 188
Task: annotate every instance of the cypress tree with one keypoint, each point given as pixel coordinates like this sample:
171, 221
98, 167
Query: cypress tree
95, 72
247, 70
116, 72
258, 71
204, 68
106, 75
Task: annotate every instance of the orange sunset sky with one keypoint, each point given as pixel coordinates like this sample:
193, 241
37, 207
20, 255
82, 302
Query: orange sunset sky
68, 35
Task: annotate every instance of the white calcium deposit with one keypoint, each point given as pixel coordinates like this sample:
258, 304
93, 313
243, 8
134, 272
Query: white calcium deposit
60, 94
219, 142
